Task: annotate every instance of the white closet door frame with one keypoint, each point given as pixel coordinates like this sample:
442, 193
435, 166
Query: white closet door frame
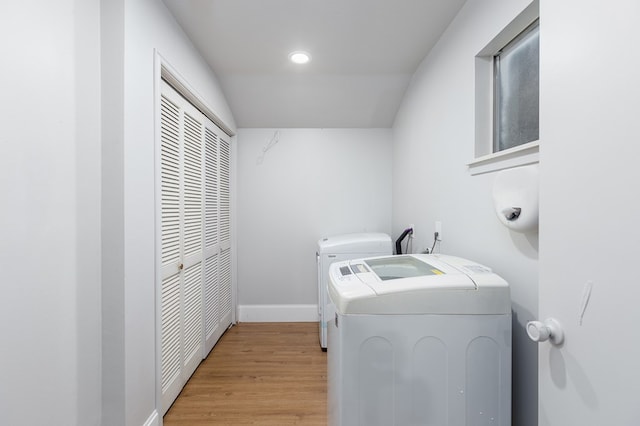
164, 71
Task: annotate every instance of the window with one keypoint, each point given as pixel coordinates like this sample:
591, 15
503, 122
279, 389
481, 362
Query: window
516, 90
507, 96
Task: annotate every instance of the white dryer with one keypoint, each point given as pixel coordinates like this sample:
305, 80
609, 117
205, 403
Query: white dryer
418, 340
338, 248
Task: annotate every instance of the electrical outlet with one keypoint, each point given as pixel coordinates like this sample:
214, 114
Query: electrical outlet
439, 229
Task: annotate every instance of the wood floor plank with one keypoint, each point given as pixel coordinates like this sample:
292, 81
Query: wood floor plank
258, 374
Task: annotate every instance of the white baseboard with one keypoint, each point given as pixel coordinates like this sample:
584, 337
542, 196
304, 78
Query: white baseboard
277, 313
153, 420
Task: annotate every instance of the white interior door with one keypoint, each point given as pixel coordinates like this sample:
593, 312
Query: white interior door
590, 206
217, 277
181, 245
192, 248
224, 295
171, 251
212, 241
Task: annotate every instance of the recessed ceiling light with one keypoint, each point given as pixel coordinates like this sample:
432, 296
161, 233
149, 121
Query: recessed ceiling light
299, 57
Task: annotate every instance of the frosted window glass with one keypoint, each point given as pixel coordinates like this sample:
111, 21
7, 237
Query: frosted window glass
517, 86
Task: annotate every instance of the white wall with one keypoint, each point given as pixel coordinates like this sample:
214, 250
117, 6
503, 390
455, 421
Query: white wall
312, 183
78, 306
50, 187
131, 31
433, 142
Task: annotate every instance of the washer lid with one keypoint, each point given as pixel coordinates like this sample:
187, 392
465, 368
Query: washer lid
417, 284
406, 273
356, 243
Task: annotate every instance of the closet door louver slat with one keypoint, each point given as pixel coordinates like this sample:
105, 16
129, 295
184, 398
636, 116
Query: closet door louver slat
170, 164
211, 192
192, 186
212, 314
192, 319
225, 202
225, 283
171, 363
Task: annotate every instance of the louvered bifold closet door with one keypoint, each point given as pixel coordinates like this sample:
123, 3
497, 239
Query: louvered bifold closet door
193, 228
195, 239
213, 328
171, 218
225, 231
181, 158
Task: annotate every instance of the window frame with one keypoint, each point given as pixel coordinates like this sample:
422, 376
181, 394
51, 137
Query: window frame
485, 159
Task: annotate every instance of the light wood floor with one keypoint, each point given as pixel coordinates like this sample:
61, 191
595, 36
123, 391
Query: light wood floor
258, 374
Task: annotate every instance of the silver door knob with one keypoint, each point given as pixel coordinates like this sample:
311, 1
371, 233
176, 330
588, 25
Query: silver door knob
548, 330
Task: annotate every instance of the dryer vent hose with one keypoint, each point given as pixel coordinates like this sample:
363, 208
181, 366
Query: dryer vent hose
402, 236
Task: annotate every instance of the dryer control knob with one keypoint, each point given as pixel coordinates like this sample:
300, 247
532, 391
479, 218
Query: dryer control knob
548, 330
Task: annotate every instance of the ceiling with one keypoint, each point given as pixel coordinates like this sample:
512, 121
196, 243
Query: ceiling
364, 53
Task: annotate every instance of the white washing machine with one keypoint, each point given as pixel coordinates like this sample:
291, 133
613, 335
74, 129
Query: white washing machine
418, 340
337, 248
